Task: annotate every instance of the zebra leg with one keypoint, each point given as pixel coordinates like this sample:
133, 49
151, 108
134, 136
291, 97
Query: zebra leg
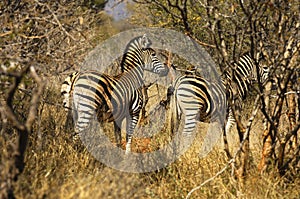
83, 121
130, 126
291, 104
69, 124
226, 145
230, 121
187, 133
117, 130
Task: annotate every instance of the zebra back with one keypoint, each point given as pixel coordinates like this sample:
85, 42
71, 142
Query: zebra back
240, 79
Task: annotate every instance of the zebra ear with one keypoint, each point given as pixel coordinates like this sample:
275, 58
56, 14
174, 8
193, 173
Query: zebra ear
145, 42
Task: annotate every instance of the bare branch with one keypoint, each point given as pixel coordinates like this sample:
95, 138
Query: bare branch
35, 98
56, 19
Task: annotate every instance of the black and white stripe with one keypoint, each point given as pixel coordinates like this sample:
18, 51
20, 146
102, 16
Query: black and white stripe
67, 89
240, 82
114, 98
201, 100
197, 99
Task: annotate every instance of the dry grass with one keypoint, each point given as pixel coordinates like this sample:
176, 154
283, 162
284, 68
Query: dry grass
56, 169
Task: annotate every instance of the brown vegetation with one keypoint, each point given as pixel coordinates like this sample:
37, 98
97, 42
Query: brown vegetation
57, 170
43, 41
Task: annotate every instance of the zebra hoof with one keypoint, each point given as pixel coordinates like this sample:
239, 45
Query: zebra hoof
128, 149
127, 152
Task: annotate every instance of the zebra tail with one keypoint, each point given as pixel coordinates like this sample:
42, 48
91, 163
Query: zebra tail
175, 118
171, 97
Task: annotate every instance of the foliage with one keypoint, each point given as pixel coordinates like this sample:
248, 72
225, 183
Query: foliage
56, 169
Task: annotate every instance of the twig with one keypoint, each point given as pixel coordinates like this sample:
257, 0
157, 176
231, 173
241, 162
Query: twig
6, 33
210, 179
6, 103
56, 19
202, 43
35, 99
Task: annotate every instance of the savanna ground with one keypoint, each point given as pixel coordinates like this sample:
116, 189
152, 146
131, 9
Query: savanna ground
55, 168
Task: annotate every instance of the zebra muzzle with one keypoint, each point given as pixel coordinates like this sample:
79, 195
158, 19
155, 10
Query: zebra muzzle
164, 72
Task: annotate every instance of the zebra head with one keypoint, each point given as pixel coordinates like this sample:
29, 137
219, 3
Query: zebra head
139, 53
151, 61
264, 72
153, 64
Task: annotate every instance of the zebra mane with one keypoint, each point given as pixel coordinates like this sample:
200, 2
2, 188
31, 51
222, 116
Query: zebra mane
136, 44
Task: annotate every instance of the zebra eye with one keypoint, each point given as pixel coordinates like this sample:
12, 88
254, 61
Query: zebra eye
153, 54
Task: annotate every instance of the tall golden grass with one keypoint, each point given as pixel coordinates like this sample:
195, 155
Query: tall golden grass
55, 168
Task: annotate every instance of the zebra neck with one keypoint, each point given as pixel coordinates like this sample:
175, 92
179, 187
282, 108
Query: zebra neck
237, 84
131, 59
135, 76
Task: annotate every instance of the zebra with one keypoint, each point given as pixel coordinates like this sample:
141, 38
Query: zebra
238, 83
198, 99
201, 100
114, 98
